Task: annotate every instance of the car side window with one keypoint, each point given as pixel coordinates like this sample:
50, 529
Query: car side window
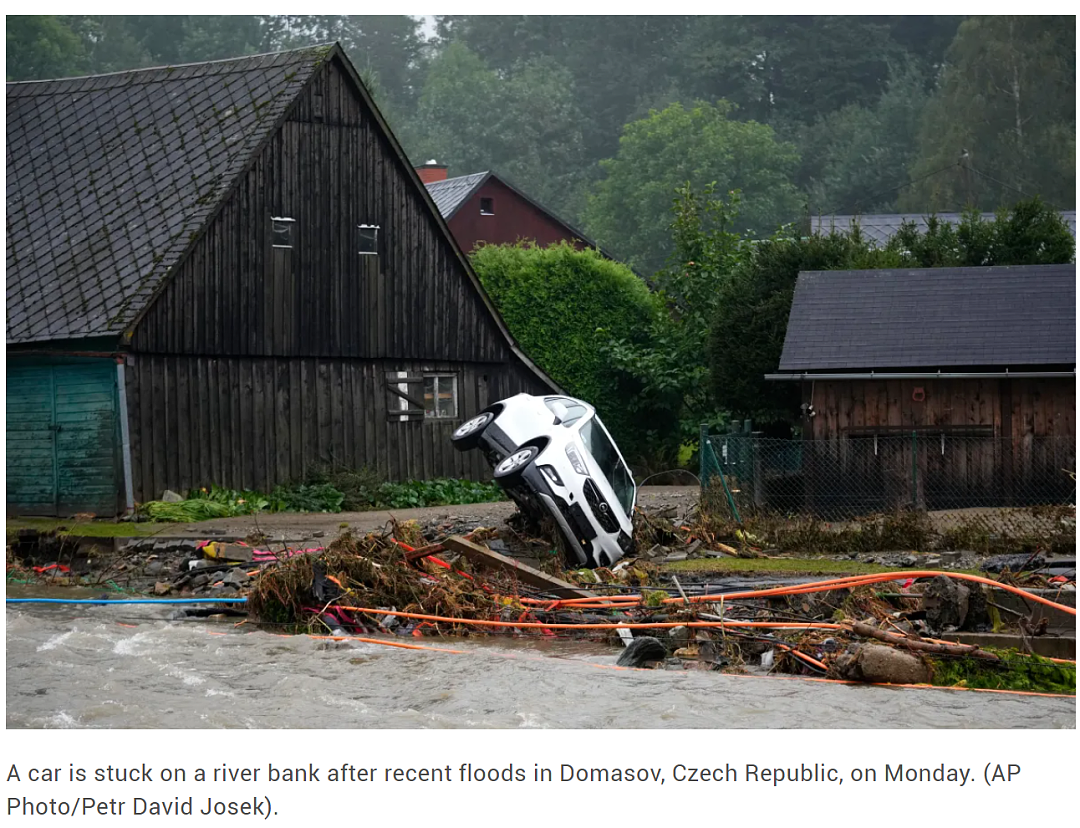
573, 414
574, 411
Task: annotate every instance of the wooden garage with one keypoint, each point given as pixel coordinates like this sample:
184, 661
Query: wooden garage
939, 388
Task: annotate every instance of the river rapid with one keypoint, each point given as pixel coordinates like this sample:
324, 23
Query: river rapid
132, 667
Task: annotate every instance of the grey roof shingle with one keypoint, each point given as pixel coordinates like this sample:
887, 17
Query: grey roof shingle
882, 227
450, 193
932, 318
109, 177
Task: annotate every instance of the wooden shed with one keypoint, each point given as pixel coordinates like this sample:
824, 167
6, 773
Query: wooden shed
224, 273
938, 388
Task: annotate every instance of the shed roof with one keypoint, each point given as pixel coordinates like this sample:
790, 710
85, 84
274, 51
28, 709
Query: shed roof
932, 318
110, 177
450, 193
882, 227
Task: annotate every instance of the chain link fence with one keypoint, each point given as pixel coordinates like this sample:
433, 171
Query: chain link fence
1011, 488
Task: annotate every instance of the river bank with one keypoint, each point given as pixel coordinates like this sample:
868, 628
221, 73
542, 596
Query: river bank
106, 668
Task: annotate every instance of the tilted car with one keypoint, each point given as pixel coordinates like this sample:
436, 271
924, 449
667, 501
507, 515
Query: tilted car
553, 456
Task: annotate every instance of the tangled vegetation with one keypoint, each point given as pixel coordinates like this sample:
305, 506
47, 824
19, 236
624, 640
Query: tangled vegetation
369, 571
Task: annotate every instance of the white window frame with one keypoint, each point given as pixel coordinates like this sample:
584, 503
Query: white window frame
439, 378
291, 224
374, 227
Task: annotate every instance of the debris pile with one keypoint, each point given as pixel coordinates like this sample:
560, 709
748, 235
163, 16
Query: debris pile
443, 578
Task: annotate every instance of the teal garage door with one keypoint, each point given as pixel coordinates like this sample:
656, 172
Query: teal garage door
63, 437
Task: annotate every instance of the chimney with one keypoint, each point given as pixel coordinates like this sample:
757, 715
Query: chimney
432, 171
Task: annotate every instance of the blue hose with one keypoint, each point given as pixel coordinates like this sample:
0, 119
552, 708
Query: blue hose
127, 601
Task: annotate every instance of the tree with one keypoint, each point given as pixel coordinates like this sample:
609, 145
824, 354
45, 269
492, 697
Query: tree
629, 210
670, 366
787, 70
855, 159
109, 43
42, 46
1003, 122
525, 124
223, 36
388, 47
617, 65
561, 305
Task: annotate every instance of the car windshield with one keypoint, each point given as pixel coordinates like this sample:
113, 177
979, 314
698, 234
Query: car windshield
599, 445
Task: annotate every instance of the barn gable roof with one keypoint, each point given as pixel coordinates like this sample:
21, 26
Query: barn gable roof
932, 318
111, 177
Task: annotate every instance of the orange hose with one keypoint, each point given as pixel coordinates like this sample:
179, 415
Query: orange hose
824, 586
533, 625
387, 643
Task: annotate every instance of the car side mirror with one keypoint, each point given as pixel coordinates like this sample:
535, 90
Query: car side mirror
560, 411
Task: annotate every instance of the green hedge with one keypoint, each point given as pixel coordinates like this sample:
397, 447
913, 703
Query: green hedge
562, 305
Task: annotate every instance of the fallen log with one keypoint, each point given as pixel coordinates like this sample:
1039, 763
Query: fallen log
526, 574
922, 646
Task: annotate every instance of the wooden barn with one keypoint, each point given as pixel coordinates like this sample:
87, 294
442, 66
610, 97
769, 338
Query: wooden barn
939, 388
484, 208
224, 273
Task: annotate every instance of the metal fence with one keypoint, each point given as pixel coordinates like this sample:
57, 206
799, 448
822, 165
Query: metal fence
860, 475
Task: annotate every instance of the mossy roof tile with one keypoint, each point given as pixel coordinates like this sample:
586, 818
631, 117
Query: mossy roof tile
88, 158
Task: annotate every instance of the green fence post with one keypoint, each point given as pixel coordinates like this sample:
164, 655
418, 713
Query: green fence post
703, 446
914, 469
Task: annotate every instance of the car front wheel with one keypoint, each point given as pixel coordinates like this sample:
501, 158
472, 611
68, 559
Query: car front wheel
510, 468
467, 435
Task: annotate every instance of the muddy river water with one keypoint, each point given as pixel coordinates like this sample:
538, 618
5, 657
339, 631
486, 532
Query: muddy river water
130, 666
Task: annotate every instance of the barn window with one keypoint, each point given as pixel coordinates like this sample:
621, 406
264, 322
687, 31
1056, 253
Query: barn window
440, 395
368, 242
281, 230
487, 206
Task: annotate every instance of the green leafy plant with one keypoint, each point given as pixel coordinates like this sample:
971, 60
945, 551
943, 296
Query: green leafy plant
441, 492
306, 497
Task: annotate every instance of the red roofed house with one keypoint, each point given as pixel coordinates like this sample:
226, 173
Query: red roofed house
484, 208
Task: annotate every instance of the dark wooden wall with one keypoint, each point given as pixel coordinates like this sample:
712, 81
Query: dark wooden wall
979, 442
256, 362
515, 219
1013, 408
237, 295
253, 423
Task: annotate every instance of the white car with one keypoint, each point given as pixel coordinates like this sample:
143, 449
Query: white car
552, 455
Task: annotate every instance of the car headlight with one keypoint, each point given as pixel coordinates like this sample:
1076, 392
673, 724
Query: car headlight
576, 461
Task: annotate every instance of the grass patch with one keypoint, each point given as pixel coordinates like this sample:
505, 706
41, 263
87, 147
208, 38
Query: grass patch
797, 566
85, 529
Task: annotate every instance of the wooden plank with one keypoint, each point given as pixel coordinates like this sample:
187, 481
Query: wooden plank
262, 408
526, 574
280, 444
338, 427
324, 412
